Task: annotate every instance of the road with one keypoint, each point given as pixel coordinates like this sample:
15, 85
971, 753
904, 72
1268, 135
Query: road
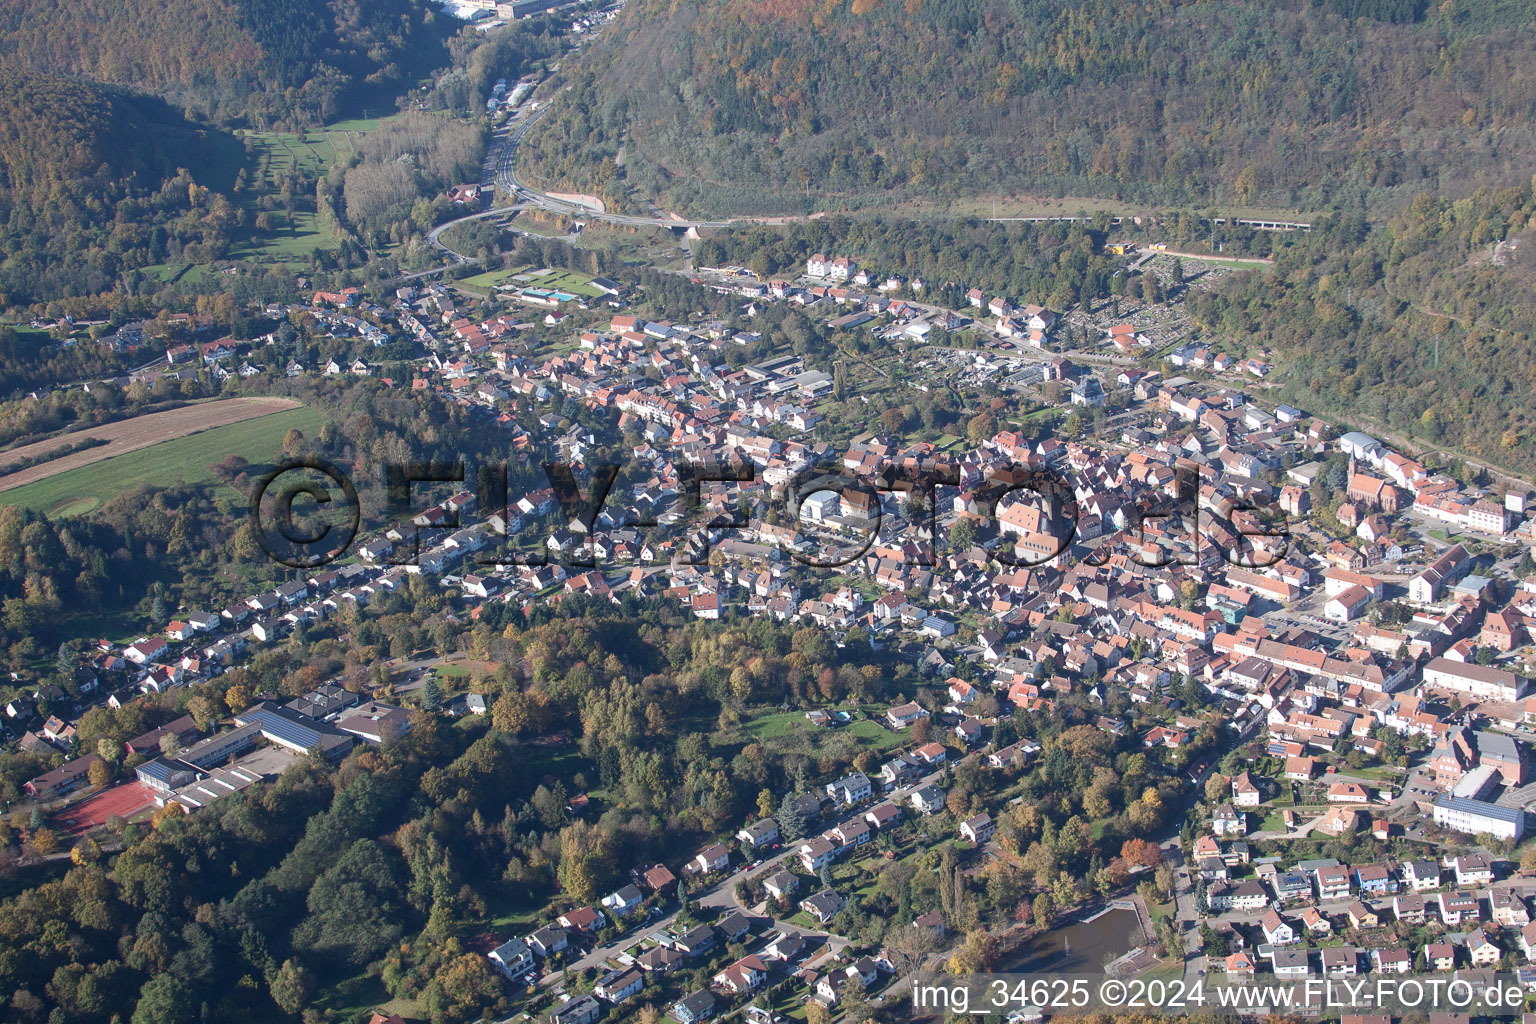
1186, 912
529, 197
435, 241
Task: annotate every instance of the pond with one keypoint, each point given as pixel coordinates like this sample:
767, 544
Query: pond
1079, 947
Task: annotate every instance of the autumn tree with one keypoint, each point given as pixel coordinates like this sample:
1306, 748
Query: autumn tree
586, 863
1141, 852
204, 712
976, 955
44, 842
910, 946
291, 987
99, 773
462, 989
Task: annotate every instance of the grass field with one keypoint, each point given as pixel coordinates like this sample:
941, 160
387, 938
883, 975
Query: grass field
488, 280
170, 273
185, 458
1217, 261
354, 124
307, 152
274, 155
779, 724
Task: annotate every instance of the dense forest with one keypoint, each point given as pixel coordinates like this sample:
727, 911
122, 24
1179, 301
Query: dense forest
87, 191
740, 106
261, 62
408, 158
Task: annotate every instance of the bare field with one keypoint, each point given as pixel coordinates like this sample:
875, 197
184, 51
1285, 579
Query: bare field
132, 434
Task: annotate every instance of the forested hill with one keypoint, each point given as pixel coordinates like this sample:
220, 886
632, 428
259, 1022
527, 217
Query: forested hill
82, 178
59, 132
1423, 325
826, 102
260, 61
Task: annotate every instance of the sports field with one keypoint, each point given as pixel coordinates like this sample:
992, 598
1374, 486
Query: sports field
84, 487
123, 800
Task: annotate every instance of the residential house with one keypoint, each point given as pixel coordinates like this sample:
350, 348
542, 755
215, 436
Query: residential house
977, 830
745, 975
816, 852
1472, 870
1421, 875
904, 715
1315, 922
850, 789
1508, 909
1226, 820
692, 1009
733, 926
549, 939
1245, 792
710, 859
695, 942
512, 958
619, 984
660, 960
1455, 907
1481, 950
781, 885
581, 1010
584, 920
759, 834
1361, 916
1409, 908
823, 906
1375, 880
1527, 941
623, 901
1276, 931
1440, 956
1332, 882
1290, 963
928, 799
1340, 961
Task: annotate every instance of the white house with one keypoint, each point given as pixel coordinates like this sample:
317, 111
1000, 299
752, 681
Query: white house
512, 958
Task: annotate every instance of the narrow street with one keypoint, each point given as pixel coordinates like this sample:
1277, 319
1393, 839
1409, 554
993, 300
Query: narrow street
722, 896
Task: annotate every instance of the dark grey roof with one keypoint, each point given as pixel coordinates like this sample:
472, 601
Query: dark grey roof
699, 1003
1513, 815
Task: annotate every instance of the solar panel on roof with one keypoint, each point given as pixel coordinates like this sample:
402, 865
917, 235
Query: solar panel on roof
286, 729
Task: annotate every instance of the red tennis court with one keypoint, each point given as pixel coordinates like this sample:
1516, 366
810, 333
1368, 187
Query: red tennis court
122, 800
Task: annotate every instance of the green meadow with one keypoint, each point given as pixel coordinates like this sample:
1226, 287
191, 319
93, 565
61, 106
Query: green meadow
85, 488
